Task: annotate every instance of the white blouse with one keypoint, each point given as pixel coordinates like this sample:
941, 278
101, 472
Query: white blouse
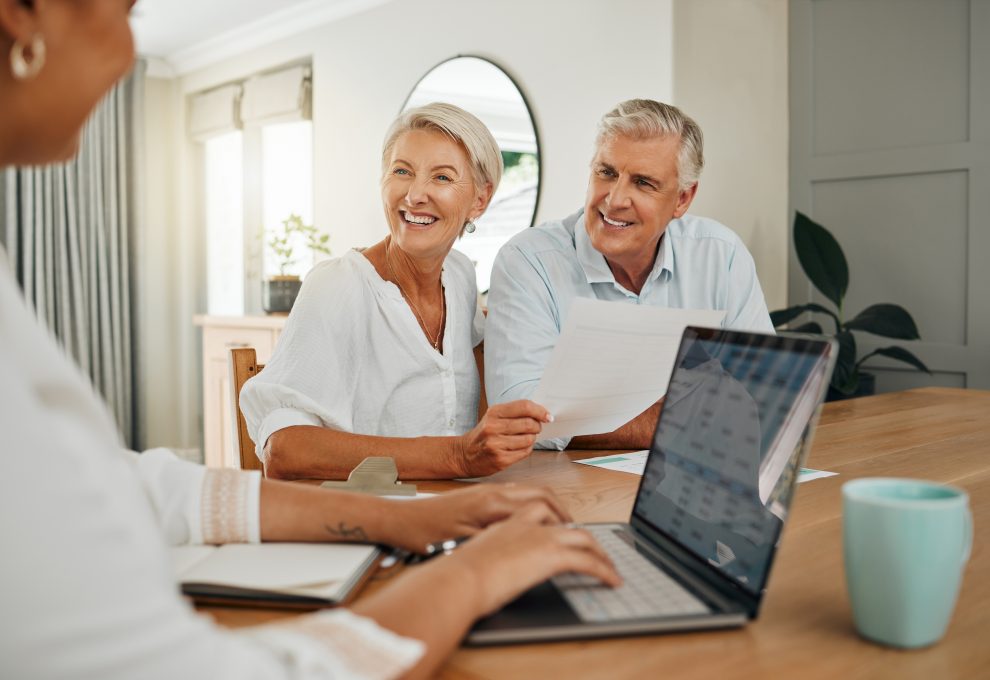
353, 358
86, 584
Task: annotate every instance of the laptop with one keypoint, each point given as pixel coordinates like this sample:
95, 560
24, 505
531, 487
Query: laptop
719, 479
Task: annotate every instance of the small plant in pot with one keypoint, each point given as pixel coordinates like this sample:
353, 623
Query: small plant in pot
279, 292
825, 265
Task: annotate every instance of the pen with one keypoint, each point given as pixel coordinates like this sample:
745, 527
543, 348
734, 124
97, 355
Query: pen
444, 547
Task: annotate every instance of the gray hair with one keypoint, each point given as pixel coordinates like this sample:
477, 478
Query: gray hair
646, 119
462, 127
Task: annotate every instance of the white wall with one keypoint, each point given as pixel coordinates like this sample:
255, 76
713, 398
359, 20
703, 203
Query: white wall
573, 60
154, 254
730, 74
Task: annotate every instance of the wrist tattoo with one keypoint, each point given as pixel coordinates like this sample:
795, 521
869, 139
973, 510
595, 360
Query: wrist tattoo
343, 531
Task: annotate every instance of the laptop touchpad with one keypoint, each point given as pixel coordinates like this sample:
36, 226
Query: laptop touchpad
537, 608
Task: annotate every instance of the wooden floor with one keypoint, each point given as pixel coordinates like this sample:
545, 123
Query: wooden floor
805, 629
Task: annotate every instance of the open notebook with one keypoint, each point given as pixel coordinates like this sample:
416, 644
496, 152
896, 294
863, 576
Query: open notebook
308, 575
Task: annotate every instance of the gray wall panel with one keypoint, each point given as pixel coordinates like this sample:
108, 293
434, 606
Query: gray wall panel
898, 234
889, 73
890, 150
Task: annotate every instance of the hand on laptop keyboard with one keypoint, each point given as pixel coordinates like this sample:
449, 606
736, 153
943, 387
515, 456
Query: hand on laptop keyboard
647, 591
519, 553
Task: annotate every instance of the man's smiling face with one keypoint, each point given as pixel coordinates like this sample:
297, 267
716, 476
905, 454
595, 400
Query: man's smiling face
633, 193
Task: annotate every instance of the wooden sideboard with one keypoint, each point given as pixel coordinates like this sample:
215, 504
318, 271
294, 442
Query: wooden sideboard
220, 335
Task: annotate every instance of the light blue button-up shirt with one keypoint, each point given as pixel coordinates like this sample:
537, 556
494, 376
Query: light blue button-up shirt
701, 264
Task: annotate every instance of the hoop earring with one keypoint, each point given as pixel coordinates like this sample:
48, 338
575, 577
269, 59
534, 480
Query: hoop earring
469, 227
22, 67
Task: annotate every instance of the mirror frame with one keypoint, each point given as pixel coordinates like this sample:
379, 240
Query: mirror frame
529, 111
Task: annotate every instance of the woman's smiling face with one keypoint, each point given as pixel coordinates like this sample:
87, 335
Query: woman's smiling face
429, 192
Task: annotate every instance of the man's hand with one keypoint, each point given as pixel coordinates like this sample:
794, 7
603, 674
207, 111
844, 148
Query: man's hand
636, 434
505, 435
465, 512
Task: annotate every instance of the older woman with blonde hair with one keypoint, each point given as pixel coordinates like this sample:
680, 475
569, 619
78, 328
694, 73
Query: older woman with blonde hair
379, 355
86, 580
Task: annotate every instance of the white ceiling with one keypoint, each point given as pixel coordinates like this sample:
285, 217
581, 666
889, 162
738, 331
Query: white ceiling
189, 34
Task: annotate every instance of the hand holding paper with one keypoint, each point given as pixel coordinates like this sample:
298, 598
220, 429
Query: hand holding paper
611, 362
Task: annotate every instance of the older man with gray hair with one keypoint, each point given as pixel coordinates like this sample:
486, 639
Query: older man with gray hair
632, 242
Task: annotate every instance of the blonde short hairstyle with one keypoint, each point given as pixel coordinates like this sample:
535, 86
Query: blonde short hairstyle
464, 128
645, 119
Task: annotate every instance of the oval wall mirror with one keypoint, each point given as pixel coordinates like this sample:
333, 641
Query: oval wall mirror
481, 87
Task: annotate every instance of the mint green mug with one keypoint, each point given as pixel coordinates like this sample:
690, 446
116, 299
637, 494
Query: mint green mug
905, 542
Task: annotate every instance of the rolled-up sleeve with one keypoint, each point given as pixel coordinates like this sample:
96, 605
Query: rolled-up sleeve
312, 374
269, 407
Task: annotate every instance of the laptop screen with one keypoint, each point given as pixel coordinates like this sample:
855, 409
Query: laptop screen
727, 448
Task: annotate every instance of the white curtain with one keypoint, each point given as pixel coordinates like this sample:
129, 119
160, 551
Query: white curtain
68, 231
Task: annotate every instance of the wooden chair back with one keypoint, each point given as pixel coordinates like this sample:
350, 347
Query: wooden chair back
243, 366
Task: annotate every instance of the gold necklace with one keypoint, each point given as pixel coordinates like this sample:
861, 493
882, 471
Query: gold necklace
419, 317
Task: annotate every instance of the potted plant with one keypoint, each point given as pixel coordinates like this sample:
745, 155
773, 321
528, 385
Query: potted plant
825, 265
279, 291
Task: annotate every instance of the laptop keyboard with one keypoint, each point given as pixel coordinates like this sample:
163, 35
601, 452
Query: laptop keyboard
646, 590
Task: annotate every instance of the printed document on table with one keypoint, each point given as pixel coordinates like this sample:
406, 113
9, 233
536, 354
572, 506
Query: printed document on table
611, 362
633, 463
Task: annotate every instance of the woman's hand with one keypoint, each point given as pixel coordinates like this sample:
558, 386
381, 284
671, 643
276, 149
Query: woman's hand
503, 436
465, 512
437, 601
514, 555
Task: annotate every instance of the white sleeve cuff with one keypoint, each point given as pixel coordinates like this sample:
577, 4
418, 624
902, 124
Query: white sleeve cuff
341, 645
253, 505
230, 509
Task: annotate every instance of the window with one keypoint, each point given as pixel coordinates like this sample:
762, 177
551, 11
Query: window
287, 187
224, 224
258, 170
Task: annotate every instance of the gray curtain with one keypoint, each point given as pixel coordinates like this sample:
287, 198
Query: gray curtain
68, 231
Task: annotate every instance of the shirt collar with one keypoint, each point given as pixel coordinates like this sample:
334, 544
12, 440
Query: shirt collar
595, 267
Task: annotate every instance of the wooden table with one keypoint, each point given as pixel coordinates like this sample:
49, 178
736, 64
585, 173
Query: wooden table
805, 628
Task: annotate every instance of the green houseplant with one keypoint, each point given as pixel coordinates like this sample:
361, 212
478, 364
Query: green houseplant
279, 291
825, 265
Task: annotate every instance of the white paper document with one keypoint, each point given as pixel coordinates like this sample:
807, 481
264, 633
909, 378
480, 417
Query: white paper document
807, 474
635, 463
611, 362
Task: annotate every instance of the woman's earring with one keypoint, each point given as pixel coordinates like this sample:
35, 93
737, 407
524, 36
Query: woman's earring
21, 66
469, 227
